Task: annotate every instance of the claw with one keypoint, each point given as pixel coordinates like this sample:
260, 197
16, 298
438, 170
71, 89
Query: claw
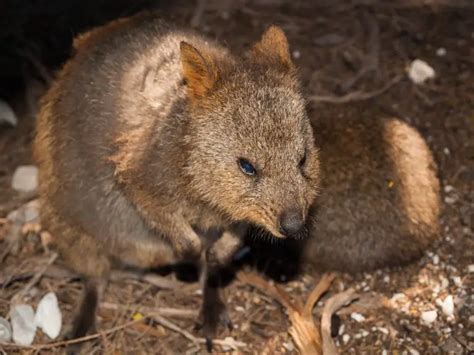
209, 345
213, 315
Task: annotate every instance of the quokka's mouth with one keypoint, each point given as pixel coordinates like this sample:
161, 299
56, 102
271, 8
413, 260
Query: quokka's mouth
301, 234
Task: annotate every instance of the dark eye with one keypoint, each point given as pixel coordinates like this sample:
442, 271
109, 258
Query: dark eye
303, 160
246, 167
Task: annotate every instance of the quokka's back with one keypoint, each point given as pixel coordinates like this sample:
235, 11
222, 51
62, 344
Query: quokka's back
379, 204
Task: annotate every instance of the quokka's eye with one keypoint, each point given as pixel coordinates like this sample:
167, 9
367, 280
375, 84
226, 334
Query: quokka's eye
303, 160
246, 167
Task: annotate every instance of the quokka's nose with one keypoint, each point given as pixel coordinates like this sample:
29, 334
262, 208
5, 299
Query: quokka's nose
292, 224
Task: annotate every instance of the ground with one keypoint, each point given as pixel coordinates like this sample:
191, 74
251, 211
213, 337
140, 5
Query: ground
330, 42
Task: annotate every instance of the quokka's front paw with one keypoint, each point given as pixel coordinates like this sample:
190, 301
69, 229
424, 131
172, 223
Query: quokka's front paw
212, 260
213, 315
189, 249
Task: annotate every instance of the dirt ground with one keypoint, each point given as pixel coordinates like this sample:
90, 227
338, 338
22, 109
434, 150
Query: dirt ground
331, 41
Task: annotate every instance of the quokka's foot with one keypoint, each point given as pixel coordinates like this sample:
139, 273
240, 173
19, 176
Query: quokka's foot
213, 315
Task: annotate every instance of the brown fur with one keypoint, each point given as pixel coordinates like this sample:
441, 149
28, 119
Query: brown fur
379, 203
138, 142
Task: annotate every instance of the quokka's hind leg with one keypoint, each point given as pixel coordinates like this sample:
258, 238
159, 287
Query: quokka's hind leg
214, 310
85, 319
83, 254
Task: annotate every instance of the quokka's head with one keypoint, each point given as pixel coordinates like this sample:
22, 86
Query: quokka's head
252, 154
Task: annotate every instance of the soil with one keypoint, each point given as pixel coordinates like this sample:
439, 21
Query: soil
330, 43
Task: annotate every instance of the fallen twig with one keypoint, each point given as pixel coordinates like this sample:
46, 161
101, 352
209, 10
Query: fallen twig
228, 342
304, 332
38, 275
356, 95
198, 12
163, 311
332, 305
155, 280
72, 341
371, 59
315, 295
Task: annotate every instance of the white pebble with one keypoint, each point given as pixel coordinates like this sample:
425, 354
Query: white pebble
364, 333
448, 306
446, 151
448, 189
48, 315
449, 200
414, 352
386, 279
346, 338
457, 280
341, 329
398, 297
444, 283
357, 317
429, 317
23, 324
384, 352
6, 114
296, 54
5, 330
289, 346
420, 71
382, 330
470, 268
435, 259
441, 52
25, 178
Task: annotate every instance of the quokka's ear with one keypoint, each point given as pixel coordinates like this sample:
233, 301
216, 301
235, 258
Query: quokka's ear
273, 48
199, 71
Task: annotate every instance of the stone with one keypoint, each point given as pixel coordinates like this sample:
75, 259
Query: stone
25, 179
23, 324
48, 315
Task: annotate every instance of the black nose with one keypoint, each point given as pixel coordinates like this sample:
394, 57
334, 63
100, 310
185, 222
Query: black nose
292, 224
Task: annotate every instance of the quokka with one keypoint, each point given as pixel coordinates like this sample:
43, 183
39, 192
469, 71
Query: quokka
156, 145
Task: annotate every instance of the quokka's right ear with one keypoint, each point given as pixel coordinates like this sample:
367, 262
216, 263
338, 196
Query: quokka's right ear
199, 71
273, 49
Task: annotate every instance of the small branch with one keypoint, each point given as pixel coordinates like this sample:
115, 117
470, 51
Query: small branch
168, 312
198, 13
371, 59
170, 325
17, 297
304, 332
268, 288
332, 306
159, 319
155, 280
322, 286
73, 341
40, 68
356, 95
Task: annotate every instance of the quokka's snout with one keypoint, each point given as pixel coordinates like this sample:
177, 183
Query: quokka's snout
292, 224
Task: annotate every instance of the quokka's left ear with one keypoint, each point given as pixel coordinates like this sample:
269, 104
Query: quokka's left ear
273, 49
